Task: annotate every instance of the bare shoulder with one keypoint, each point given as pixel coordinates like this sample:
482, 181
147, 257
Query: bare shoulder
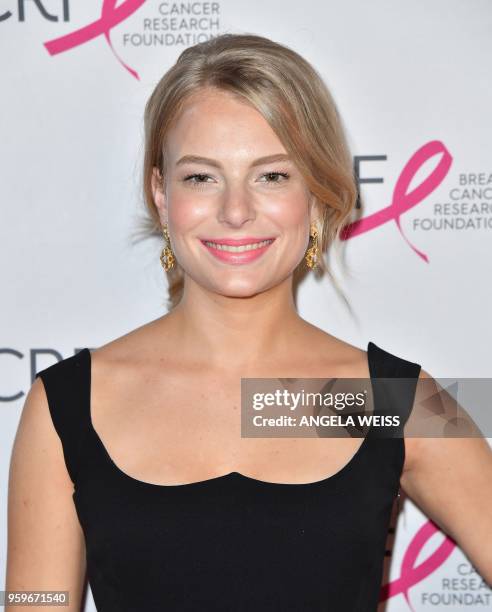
422, 453
136, 347
416, 447
337, 355
35, 432
128, 367
37, 450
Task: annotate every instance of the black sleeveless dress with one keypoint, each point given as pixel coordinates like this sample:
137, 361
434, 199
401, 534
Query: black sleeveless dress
230, 543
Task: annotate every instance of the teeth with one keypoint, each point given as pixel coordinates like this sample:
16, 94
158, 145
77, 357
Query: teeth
238, 249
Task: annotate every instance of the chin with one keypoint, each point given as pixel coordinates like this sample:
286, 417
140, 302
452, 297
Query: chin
238, 291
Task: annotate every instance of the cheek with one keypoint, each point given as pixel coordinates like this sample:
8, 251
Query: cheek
186, 211
291, 212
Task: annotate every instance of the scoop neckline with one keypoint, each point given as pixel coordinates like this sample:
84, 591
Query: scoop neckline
234, 475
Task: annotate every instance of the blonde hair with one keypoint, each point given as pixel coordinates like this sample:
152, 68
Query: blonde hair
293, 99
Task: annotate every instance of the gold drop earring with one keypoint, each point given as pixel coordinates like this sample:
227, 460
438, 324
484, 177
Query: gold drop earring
312, 253
167, 255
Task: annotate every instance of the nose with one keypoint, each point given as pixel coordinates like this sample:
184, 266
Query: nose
237, 206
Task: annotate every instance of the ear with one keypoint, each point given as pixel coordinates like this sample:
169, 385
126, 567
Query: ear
158, 193
314, 209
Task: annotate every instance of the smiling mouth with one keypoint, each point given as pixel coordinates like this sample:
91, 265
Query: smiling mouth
242, 248
238, 251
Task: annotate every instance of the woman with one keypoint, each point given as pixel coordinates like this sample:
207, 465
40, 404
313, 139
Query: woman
171, 507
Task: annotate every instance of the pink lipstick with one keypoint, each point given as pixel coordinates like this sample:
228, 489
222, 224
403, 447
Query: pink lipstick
237, 250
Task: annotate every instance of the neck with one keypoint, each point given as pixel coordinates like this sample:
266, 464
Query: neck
235, 332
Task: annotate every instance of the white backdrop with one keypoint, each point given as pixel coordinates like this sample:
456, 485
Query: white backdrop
404, 74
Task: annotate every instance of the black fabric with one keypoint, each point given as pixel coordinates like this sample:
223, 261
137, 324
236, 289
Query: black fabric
67, 391
231, 543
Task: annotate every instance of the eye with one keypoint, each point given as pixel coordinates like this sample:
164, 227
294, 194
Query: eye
276, 177
198, 179
196, 183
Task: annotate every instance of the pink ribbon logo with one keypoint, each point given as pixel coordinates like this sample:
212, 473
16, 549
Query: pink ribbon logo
402, 199
110, 17
411, 574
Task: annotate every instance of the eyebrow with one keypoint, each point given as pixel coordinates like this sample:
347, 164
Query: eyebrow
196, 159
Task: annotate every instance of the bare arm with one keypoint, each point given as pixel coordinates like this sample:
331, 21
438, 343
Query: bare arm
450, 480
46, 549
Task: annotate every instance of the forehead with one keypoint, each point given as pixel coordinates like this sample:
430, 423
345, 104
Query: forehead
218, 123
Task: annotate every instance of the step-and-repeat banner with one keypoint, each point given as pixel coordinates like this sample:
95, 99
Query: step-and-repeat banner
412, 82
